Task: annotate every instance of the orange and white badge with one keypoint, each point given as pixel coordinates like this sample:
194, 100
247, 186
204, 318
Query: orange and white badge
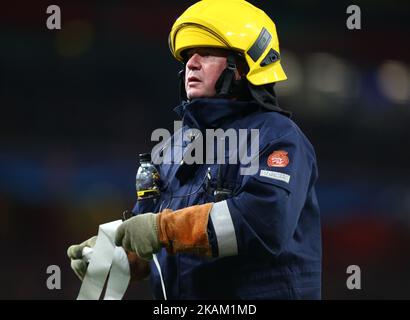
278, 159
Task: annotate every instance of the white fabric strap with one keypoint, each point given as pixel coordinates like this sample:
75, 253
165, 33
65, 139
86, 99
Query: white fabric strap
105, 256
160, 275
224, 229
119, 277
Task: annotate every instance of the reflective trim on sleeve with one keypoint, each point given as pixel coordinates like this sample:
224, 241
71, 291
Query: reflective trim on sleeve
224, 229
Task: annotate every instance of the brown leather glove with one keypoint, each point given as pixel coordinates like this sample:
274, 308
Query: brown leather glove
185, 230
180, 231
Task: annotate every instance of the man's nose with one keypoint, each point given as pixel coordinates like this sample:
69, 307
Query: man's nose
194, 62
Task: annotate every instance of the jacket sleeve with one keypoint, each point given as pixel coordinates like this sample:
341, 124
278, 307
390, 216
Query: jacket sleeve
144, 206
267, 206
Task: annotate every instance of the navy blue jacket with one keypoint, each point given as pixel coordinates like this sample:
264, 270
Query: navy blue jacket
265, 233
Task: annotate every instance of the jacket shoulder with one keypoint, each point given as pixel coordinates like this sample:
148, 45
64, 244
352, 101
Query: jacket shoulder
274, 126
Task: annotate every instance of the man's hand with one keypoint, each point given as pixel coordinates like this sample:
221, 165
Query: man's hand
140, 235
75, 253
139, 268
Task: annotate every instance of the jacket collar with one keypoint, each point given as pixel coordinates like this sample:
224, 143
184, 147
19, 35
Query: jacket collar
214, 113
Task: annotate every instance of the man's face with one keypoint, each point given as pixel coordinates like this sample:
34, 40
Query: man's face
202, 70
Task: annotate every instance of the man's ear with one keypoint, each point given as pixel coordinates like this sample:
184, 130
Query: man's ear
241, 65
237, 75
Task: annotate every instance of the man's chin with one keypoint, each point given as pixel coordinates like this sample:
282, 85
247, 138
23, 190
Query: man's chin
199, 95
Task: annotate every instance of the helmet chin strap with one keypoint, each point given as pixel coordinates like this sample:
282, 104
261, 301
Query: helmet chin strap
223, 86
181, 85
227, 86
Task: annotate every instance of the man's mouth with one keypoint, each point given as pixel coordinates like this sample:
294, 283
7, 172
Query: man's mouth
193, 79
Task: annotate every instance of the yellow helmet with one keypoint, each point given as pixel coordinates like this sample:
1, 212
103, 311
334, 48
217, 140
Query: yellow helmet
235, 25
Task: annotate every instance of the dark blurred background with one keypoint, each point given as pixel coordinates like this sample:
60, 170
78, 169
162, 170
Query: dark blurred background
79, 104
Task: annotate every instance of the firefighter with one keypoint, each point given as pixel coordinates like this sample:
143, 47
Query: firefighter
217, 232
